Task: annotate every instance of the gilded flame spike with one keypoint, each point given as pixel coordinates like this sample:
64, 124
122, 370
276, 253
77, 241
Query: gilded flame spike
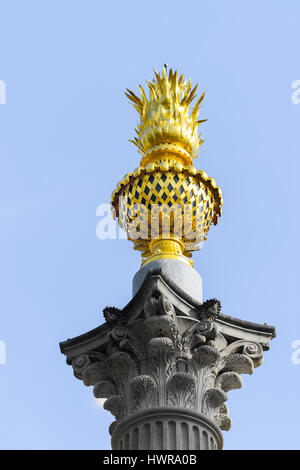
165, 117
166, 205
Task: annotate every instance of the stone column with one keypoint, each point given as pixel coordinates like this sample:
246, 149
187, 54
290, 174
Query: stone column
167, 429
164, 364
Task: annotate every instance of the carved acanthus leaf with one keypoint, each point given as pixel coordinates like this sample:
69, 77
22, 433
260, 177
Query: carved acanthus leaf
181, 390
104, 389
116, 405
224, 422
239, 363
112, 427
143, 391
229, 381
161, 350
206, 356
222, 418
122, 366
214, 398
94, 373
161, 357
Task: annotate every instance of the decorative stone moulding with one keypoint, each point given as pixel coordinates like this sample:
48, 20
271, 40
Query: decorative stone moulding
165, 363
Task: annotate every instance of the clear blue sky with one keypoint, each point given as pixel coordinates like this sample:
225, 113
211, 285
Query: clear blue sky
64, 134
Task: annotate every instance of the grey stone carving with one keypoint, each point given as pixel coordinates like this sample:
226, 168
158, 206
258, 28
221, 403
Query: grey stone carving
164, 364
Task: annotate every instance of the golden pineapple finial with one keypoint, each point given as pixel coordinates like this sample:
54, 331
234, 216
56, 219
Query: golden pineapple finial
165, 118
166, 205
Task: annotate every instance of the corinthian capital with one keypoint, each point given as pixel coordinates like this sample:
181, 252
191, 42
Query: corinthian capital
154, 356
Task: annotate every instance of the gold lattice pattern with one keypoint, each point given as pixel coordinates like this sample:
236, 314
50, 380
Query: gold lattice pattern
194, 196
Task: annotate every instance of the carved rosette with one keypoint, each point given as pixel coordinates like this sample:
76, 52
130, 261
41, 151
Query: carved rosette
152, 362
